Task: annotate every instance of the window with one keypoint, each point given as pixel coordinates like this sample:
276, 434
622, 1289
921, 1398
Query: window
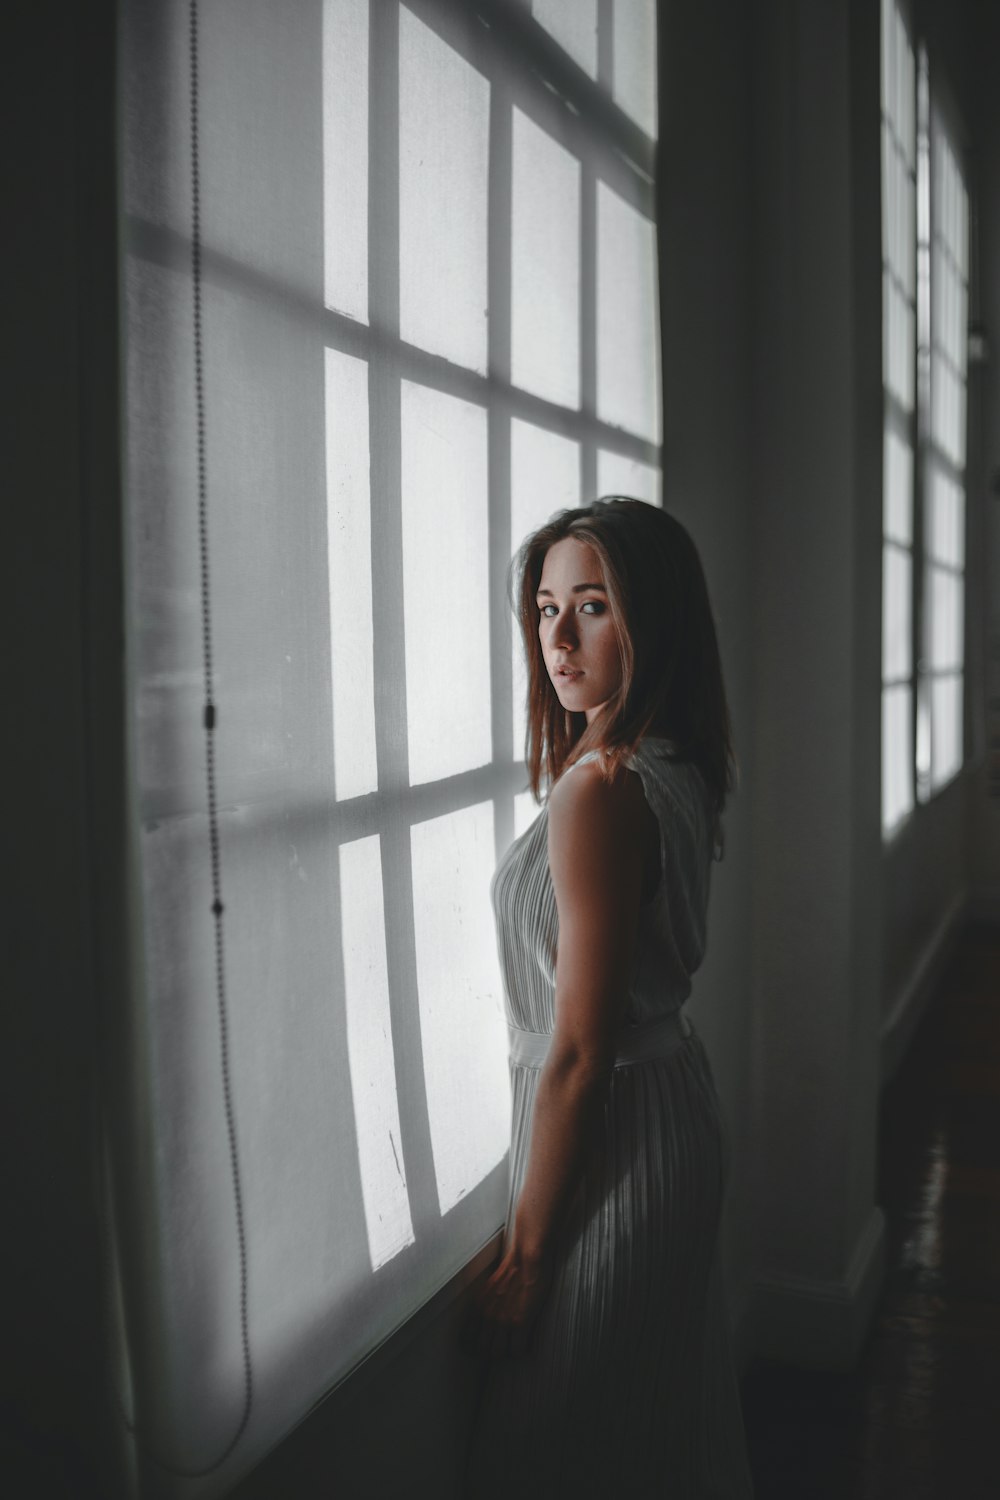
940, 697
418, 316
924, 279
899, 319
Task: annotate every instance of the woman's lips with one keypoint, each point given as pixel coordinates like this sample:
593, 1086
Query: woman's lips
567, 674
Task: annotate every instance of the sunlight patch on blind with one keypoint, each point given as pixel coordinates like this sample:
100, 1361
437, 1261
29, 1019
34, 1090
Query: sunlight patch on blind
573, 24
948, 412
899, 361
628, 351
443, 176
544, 478
445, 583
949, 205
634, 61
526, 810
345, 156
545, 266
946, 616
898, 67
897, 754
946, 731
618, 475
350, 575
462, 1027
897, 592
897, 490
946, 532
370, 1053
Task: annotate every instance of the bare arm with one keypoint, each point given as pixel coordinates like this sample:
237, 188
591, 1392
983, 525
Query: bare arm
597, 835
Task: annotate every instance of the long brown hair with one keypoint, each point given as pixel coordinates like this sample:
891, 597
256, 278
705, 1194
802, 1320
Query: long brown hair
671, 680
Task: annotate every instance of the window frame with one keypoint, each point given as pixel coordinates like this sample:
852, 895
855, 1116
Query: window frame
917, 428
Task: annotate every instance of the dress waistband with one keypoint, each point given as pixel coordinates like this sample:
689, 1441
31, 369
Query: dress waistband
636, 1044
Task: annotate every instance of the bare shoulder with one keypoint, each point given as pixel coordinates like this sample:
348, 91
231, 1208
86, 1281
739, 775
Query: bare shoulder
587, 810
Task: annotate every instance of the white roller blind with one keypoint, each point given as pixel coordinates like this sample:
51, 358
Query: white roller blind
899, 369
344, 410
942, 699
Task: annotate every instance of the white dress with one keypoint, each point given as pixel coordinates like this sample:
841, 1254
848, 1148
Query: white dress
629, 1387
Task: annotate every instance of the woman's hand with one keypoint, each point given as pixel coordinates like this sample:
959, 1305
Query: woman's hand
510, 1302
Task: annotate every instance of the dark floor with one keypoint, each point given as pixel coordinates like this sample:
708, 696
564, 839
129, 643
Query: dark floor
920, 1416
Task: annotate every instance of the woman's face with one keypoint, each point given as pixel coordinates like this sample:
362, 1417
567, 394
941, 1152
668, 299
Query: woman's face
575, 628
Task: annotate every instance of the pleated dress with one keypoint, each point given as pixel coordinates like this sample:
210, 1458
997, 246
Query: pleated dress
629, 1387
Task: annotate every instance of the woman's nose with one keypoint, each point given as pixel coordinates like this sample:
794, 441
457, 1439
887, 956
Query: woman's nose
564, 634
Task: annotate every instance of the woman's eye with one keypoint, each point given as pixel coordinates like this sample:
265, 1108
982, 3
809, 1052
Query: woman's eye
595, 605
545, 608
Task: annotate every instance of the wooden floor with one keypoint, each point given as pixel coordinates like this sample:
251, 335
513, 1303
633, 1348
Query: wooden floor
919, 1419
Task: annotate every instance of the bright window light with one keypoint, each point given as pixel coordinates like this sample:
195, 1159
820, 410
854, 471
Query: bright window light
462, 1026
618, 475
897, 755
573, 24
897, 491
446, 611
545, 266
369, 1051
634, 61
526, 810
628, 349
544, 478
897, 594
348, 526
899, 363
345, 156
443, 159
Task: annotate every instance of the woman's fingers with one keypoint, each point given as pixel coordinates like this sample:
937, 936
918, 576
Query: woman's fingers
508, 1306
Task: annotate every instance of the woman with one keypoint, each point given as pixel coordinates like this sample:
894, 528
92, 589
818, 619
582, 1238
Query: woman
607, 1361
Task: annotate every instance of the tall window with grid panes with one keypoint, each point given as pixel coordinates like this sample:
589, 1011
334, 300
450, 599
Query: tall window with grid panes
899, 325
924, 278
425, 317
940, 690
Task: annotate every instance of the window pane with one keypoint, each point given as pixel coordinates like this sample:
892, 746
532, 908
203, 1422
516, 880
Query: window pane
946, 592
897, 755
946, 729
946, 528
634, 55
544, 477
526, 810
628, 318
573, 24
944, 410
443, 153
618, 475
896, 617
445, 584
462, 1026
899, 331
545, 266
370, 1053
350, 575
922, 754
345, 156
897, 491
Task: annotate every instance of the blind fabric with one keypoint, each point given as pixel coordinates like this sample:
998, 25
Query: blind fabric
339, 225
944, 489
899, 364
